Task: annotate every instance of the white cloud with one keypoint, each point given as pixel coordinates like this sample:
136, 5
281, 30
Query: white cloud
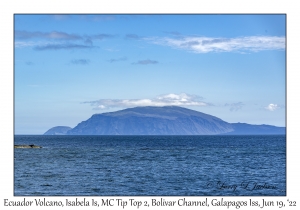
219, 44
235, 106
146, 62
117, 59
20, 44
272, 107
80, 61
182, 99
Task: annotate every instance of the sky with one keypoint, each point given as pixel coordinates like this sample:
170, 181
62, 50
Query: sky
69, 67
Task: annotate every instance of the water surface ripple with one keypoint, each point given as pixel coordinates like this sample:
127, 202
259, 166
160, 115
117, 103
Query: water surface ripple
151, 165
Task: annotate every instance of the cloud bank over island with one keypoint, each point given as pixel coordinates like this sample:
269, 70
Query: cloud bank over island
182, 99
171, 99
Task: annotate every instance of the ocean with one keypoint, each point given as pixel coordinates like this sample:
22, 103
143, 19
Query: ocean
150, 166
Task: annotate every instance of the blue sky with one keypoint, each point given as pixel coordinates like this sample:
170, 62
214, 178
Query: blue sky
68, 67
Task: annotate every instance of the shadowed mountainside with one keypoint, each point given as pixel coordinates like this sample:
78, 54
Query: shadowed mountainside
169, 120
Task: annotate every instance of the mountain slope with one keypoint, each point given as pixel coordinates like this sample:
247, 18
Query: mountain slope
169, 120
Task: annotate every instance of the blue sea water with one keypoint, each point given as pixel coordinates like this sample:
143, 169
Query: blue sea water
151, 165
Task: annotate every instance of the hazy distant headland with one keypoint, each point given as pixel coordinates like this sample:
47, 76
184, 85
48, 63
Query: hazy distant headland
58, 130
168, 120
